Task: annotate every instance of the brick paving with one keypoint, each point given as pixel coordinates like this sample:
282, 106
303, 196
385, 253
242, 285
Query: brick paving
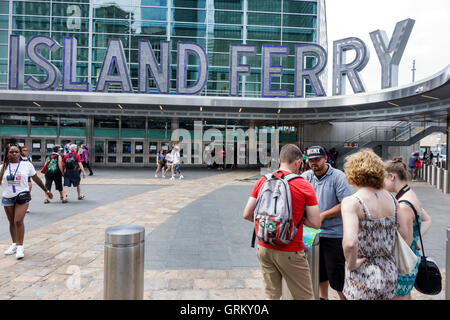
64, 260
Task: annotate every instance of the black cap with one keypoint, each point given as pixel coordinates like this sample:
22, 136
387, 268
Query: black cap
316, 152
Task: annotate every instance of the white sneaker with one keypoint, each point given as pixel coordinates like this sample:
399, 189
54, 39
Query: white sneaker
11, 250
181, 177
19, 253
164, 177
173, 178
28, 211
156, 176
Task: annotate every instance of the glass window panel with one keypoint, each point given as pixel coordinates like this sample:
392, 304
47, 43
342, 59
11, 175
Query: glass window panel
101, 40
112, 146
72, 121
158, 14
133, 123
36, 158
99, 159
82, 38
264, 33
4, 22
36, 145
159, 123
218, 75
220, 45
149, 28
66, 24
188, 30
227, 32
112, 159
138, 160
29, 34
189, 3
70, 10
299, 35
152, 147
154, 42
106, 122
31, 7
184, 15
30, 23
301, 21
126, 147
228, 17
126, 159
112, 11
219, 59
229, 4
159, 3
139, 147
265, 5
44, 120
111, 26
99, 147
200, 41
13, 119
264, 19
300, 6
4, 7
49, 145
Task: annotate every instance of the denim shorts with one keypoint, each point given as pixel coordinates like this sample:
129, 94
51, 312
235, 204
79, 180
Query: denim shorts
8, 202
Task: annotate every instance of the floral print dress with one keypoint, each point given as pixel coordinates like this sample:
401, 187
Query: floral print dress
376, 278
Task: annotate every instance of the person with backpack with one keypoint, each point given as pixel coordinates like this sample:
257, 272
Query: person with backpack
73, 167
413, 165
283, 194
25, 156
53, 171
331, 188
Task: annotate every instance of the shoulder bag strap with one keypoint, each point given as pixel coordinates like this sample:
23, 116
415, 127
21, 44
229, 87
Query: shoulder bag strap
417, 220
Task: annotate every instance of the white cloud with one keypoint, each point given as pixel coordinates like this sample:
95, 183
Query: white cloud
429, 43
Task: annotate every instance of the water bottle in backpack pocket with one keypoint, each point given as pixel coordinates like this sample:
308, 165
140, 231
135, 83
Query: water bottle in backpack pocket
273, 219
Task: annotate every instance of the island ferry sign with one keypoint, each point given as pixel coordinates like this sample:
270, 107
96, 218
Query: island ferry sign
115, 70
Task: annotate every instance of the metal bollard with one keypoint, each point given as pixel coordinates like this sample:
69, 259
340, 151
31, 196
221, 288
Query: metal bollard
429, 173
425, 170
446, 180
439, 178
312, 256
433, 176
124, 263
447, 267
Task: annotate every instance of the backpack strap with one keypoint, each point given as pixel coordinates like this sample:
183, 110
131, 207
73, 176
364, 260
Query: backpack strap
409, 204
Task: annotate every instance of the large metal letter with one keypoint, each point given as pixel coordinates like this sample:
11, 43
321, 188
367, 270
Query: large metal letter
115, 56
236, 68
390, 52
70, 67
340, 69
302, 73
147, 62
34, 48
16, 62
185, 48
268, 70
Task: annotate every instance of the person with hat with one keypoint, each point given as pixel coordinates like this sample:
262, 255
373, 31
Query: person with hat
85, 158
331, 188
177, 162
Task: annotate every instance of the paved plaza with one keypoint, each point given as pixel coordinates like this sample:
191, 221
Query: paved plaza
197, 244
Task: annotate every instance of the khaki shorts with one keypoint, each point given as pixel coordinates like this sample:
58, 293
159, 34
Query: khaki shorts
292, 266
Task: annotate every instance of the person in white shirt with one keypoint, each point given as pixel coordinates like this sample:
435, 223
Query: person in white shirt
16, 195
24, 156
169, 159
177, 162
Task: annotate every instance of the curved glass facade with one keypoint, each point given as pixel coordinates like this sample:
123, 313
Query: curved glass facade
213, 24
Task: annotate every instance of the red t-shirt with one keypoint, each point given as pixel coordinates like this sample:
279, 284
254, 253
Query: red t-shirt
77, 157
302, 194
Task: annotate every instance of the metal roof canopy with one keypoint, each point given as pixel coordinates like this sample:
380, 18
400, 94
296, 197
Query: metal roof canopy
424, 100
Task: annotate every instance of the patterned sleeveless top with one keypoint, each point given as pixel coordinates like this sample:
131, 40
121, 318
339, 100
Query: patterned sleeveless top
376, 278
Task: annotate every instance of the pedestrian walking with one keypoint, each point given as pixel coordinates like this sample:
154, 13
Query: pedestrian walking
67, 147
72, 169
397, 181
285, 261
159, 163
413, 164
24, 156
85, 158
177, 162
53, 172
16, 195
331, 188
169, 161
369, 217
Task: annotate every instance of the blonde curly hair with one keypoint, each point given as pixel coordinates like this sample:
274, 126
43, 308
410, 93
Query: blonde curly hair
365, 169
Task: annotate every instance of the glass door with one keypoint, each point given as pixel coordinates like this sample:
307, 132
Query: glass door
99, 152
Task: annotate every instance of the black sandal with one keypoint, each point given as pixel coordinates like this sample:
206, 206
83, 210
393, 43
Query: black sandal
64, 201
46, 201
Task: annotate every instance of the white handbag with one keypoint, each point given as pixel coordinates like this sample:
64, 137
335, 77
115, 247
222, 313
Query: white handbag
405, 258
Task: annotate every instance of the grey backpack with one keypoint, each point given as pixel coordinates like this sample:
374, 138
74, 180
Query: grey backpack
273, 219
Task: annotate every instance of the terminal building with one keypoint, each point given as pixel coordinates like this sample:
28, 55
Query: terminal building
127, 128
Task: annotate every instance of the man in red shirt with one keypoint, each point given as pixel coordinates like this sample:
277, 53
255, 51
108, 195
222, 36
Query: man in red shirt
288, 261
72, 168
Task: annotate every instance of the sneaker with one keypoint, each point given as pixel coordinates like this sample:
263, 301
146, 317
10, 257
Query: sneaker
19, 253
28, 211
181, 177
164, 177
156, 176
11, 250
173, 178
